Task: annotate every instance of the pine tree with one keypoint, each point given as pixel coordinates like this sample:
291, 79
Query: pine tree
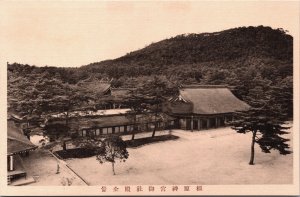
149, 97
65, 99
135, 102
265, 119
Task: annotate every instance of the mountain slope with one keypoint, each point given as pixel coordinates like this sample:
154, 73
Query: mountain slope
253, 59
258, 42
260, 47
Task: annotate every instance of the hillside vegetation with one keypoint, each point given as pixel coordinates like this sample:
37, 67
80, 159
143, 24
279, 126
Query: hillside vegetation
252, 59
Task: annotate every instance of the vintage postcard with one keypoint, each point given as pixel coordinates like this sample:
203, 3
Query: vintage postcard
149, 98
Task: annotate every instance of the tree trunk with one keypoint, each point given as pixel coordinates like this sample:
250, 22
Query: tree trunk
252, 149
67, 124
134, 127
155, 119
113, 167
155, 125
64, 145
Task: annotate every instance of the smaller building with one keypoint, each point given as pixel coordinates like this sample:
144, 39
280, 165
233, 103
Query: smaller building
199, 107
18, 145
112, 121
123, 125
101, 88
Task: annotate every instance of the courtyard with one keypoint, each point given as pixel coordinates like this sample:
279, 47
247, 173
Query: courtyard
211, 157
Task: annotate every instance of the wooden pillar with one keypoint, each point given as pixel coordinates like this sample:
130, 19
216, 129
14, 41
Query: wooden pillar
199, 122
208, 123
11, 162
192, 123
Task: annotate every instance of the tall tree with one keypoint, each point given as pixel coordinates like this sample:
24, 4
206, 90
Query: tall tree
62, 100
135, 102
265, 120
155, 92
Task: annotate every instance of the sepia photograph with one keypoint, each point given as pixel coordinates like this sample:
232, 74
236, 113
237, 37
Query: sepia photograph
149, 97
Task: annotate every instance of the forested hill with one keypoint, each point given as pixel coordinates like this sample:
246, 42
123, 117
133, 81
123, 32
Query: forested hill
251, 58
234, 48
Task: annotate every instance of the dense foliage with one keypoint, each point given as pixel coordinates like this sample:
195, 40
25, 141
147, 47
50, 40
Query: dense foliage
251, 59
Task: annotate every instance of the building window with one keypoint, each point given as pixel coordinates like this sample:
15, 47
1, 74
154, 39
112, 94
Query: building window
104, 130
109, 130
83, 132
121, 129
97, 131
117, 129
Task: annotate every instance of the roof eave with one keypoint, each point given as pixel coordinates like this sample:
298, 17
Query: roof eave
17, 152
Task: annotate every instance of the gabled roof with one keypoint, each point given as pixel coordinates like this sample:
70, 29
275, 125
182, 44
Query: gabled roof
212, 99
105, 121
120, 93
98, 86
16, 141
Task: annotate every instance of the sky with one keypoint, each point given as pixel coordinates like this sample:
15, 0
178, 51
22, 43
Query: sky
76, 33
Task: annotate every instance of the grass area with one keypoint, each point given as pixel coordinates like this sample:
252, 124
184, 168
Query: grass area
149, 140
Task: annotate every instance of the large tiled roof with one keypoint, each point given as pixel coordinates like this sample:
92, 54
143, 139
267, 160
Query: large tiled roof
212, 100
98, 86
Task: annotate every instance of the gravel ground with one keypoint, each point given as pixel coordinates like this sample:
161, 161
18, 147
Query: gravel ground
216, 156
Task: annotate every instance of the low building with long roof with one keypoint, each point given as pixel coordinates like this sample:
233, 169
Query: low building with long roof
199, 107
112, 121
